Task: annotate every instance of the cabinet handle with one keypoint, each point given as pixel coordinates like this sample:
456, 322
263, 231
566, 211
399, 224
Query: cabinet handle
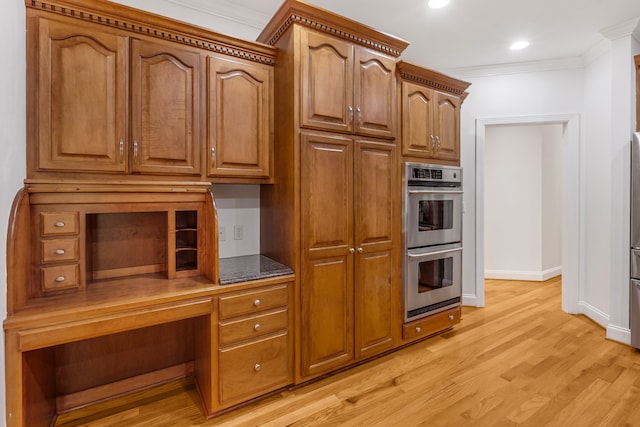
451, 317
60, 279
256, 327
418, 329
121, 150
256, 303
59, 252
352, 250
359, 116
360, 250
433, 143
437, 143
257, 367
213, 154
135, 151
350, 114
59, 224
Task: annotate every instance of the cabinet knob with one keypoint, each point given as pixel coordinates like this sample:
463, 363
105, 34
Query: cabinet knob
121, 150
256, 327
60, 279
418, 329
350, 114
451, 317
360, 250
59, 252
257, 302
257, 367
59, 224
352, 250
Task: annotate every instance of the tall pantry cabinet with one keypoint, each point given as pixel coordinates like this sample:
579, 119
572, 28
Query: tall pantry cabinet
334, 213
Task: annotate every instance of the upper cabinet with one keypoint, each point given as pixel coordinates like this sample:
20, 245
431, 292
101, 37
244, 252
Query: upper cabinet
113, 90
240, 114
430, 105
346, 88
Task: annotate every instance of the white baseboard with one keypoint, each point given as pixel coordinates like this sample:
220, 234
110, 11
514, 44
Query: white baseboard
595, 314
538, 276
620, 334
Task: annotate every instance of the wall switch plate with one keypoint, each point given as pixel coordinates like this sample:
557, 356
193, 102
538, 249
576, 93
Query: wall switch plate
222, 234
238, 232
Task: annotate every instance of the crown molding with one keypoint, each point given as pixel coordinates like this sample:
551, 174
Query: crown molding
225, 9
517, 68
623, 29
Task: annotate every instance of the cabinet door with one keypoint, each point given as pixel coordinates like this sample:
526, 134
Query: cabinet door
165, 109
81, 98
240, 118
376, 234
418, 134
375, 94
448, 126
326, 323
326, 82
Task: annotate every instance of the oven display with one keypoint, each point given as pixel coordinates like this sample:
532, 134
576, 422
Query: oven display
418, 173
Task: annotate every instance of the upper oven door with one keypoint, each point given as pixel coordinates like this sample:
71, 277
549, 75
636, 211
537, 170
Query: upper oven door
433, 217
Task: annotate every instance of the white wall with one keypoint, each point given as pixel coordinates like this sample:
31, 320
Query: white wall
522, 200
238, 205
13, 139
543, 93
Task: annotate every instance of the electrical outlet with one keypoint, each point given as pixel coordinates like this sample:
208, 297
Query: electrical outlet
238, 232
222, 234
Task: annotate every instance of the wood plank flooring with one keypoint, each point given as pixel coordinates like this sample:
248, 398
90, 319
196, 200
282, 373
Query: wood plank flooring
519, 361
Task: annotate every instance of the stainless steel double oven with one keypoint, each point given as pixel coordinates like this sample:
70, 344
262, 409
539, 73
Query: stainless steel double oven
432, 227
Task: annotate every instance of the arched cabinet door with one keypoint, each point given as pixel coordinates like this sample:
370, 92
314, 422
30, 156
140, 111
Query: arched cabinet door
81, 98
240, 118
448, 127
166, 113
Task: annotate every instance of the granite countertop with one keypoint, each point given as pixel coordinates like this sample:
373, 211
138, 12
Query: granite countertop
250, 267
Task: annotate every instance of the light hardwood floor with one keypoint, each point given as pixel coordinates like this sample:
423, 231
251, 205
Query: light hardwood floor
519, 361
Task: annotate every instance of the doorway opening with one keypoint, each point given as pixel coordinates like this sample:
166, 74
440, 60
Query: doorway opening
571, 252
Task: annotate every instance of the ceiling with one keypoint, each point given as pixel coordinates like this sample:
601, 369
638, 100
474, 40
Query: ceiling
466, 33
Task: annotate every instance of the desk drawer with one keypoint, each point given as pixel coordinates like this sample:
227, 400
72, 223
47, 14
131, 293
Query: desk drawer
58, 250
253, 369
252, 302
241, 329
58, 223
60, 277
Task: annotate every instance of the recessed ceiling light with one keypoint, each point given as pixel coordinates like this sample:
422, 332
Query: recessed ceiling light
437, 4
519, 45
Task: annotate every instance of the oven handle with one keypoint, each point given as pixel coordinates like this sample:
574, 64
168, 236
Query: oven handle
446, 251
435, 192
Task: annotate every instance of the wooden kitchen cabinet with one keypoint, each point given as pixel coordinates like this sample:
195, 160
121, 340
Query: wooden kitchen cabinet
166, 111
349, 279
334, 210
115, 91
255, 346
240, 114
82, 102
346, 88
430, 118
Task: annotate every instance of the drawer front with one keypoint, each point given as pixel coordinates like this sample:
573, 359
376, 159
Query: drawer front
58, 250
237, 330
252, 369
58, 223
431, 324
252, 302
60, 277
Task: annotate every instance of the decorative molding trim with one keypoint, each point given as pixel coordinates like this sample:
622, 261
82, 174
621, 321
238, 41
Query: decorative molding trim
627, 28
517, 68
325, 28
431, 78
98, 17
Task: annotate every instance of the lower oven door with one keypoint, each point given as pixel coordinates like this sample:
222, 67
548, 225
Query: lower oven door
433, 280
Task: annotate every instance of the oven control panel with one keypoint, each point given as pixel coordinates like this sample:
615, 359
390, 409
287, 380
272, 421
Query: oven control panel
433, 175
